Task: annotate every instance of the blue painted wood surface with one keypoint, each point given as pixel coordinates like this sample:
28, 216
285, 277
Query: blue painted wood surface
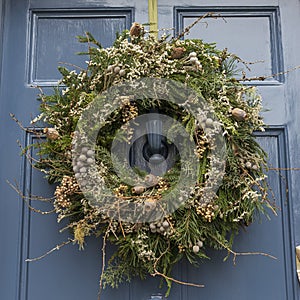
37, 35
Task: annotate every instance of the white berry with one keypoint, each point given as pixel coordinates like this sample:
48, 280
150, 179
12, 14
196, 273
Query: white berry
122, 72
110, 68
196, 249
193, 59
117, 70
200, 244
248, 164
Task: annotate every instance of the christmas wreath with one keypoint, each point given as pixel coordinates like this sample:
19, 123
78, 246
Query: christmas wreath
155, 217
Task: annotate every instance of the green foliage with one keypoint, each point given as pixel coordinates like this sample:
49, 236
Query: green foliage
144, 249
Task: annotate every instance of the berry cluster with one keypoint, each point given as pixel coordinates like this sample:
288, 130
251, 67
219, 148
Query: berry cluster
68, 187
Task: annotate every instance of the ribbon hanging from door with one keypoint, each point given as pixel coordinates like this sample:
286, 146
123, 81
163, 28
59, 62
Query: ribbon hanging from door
153, 17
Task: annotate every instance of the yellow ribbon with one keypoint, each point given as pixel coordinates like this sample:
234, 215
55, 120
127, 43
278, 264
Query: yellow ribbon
153, 17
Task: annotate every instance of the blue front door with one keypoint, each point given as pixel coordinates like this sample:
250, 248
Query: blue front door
36, 35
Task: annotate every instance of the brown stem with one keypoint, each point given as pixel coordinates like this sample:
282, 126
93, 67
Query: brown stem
168, 278
235, 254
56, 248
103, 260
188, 28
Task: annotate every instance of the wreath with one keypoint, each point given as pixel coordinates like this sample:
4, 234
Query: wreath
155, 218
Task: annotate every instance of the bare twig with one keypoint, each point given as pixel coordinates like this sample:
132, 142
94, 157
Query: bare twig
103, 260
188, 28
235, 254
262, 78
168, 278
71, 65
284, 169
16, 187
56, 248
27, 199
26, 129
156, 273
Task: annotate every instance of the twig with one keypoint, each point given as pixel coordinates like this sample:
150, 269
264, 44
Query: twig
103, 259
71, 65
27, 199
50, 251
168, 278
175, 280
199, 19
235, 254
262, 78
26, 129
16, 188
284, 169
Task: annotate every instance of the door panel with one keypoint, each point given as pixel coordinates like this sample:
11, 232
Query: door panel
37, 36
52, 38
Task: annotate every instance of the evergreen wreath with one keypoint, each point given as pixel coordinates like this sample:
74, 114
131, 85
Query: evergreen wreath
155, 247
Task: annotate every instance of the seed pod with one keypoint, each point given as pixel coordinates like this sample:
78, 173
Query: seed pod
51, 133
151, 180
149, 204
138, 189
135, 29
239, 114
177, 52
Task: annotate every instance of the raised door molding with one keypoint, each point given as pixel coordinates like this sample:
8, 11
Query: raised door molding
254, 32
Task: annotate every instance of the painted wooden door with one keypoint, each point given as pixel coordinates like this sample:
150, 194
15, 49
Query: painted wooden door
36, 35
